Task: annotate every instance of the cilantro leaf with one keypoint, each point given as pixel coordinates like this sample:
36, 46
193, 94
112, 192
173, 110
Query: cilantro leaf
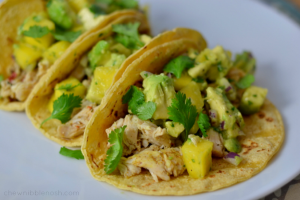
36, 31
68, 87
219, 66
198, 80
203, 123
146, 110
182, 111
1, 78
114, 153
128, 35
126, 4
71, 153
245, 82
136, 103
104, 1
62, 35
177, 65
63, 107
97, 10
122, 4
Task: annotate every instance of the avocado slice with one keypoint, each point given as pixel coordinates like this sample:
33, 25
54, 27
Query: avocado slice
229, 119
232, 145
61, 13
160, 90
252, 100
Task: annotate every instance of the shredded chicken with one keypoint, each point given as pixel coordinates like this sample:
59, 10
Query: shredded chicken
78, 72
150, 134
126, 167
236, 74
161, 164
77, 124
216, 138
19, 87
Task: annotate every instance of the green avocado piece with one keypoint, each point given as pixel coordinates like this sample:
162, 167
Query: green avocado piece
252, 100
245, 62
160, 90
229, 119
116, 60
211, 63
233, 145
61, 13
98, 55
174, 128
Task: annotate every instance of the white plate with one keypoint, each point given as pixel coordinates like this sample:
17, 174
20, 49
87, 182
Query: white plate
31, 164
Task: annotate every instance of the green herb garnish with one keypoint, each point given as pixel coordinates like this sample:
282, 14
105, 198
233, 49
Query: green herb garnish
128, 35
136, 103
114, 153
198, 80
63, 107
69, 36
68, 87
177, 65
203, 123
36, 31
182, 111
245, 82
71, 153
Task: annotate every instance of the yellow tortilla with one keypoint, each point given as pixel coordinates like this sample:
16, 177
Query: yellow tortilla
12, 15
36, 108
264, 136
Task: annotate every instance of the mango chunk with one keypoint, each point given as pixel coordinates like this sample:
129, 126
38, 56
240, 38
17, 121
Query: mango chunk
197, 157
43, 42
77, 5
26, 56
192, 91
61, 88
56, 50
103, 77
183, 81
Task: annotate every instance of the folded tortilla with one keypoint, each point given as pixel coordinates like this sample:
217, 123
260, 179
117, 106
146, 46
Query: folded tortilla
10, 19
264, 134
36, 108
12, 15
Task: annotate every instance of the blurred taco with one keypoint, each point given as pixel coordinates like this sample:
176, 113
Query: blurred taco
183, 120
36, 33
63, 101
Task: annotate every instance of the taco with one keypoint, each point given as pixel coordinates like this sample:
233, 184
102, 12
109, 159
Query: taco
37, 32
62, 103
181, 121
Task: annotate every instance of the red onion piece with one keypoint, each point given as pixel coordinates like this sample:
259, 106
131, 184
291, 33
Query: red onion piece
169, 75
12, 76
233, 158
228, 88
222, 125
212, 114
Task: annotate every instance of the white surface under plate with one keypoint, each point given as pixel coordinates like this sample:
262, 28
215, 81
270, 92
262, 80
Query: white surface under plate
31, 164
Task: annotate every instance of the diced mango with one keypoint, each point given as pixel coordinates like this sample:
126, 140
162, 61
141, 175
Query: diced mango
26, 55
145, 38
77, 5
43, 42
174, 128
79, 90
197, 158
183, 81
120, 48
103, 77
56, 50
192, 91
